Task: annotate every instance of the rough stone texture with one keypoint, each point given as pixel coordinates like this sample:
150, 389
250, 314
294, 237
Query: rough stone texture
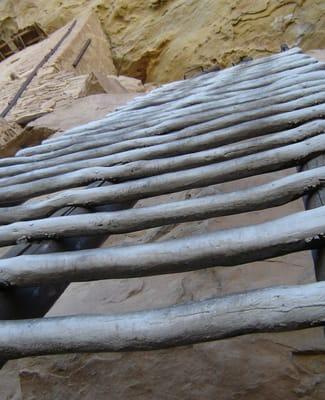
96, 58
56, 101
46, 92
87, 26
58, 81
10, 134
81, 110
13, 137
123, 84
132, 84
67, 110
159, 40
318, 54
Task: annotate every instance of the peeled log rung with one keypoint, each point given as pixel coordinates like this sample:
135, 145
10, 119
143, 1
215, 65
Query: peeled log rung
169, 164
196, 128
268, 195
300, 231
206, 110
266, 310
262, 162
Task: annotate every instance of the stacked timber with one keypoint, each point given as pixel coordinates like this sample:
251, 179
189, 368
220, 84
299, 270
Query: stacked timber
261, 116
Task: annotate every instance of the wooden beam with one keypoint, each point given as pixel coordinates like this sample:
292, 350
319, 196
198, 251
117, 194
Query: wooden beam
176, 119
296, 232
130, 121
35, 301
268, 195
265, 161
230, 134
21, 192
313, 200
265, 310
196, 127
146, 118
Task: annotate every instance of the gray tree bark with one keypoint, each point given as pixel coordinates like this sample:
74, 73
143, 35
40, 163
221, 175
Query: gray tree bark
148, 117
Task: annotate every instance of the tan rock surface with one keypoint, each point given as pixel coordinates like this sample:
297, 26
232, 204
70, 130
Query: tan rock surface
123, 84
10, 134
97, 57
46, 92
13, 137
87, 27
159, 40
81, 110
318, 54
131, 84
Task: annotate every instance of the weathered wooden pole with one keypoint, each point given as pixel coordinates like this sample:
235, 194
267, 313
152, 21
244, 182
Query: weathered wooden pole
271, 194
35, 301
313, 200
265, 310
262, 162
17, 193
230, 247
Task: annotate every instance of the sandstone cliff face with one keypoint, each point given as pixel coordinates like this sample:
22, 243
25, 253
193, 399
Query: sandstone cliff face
159, 40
